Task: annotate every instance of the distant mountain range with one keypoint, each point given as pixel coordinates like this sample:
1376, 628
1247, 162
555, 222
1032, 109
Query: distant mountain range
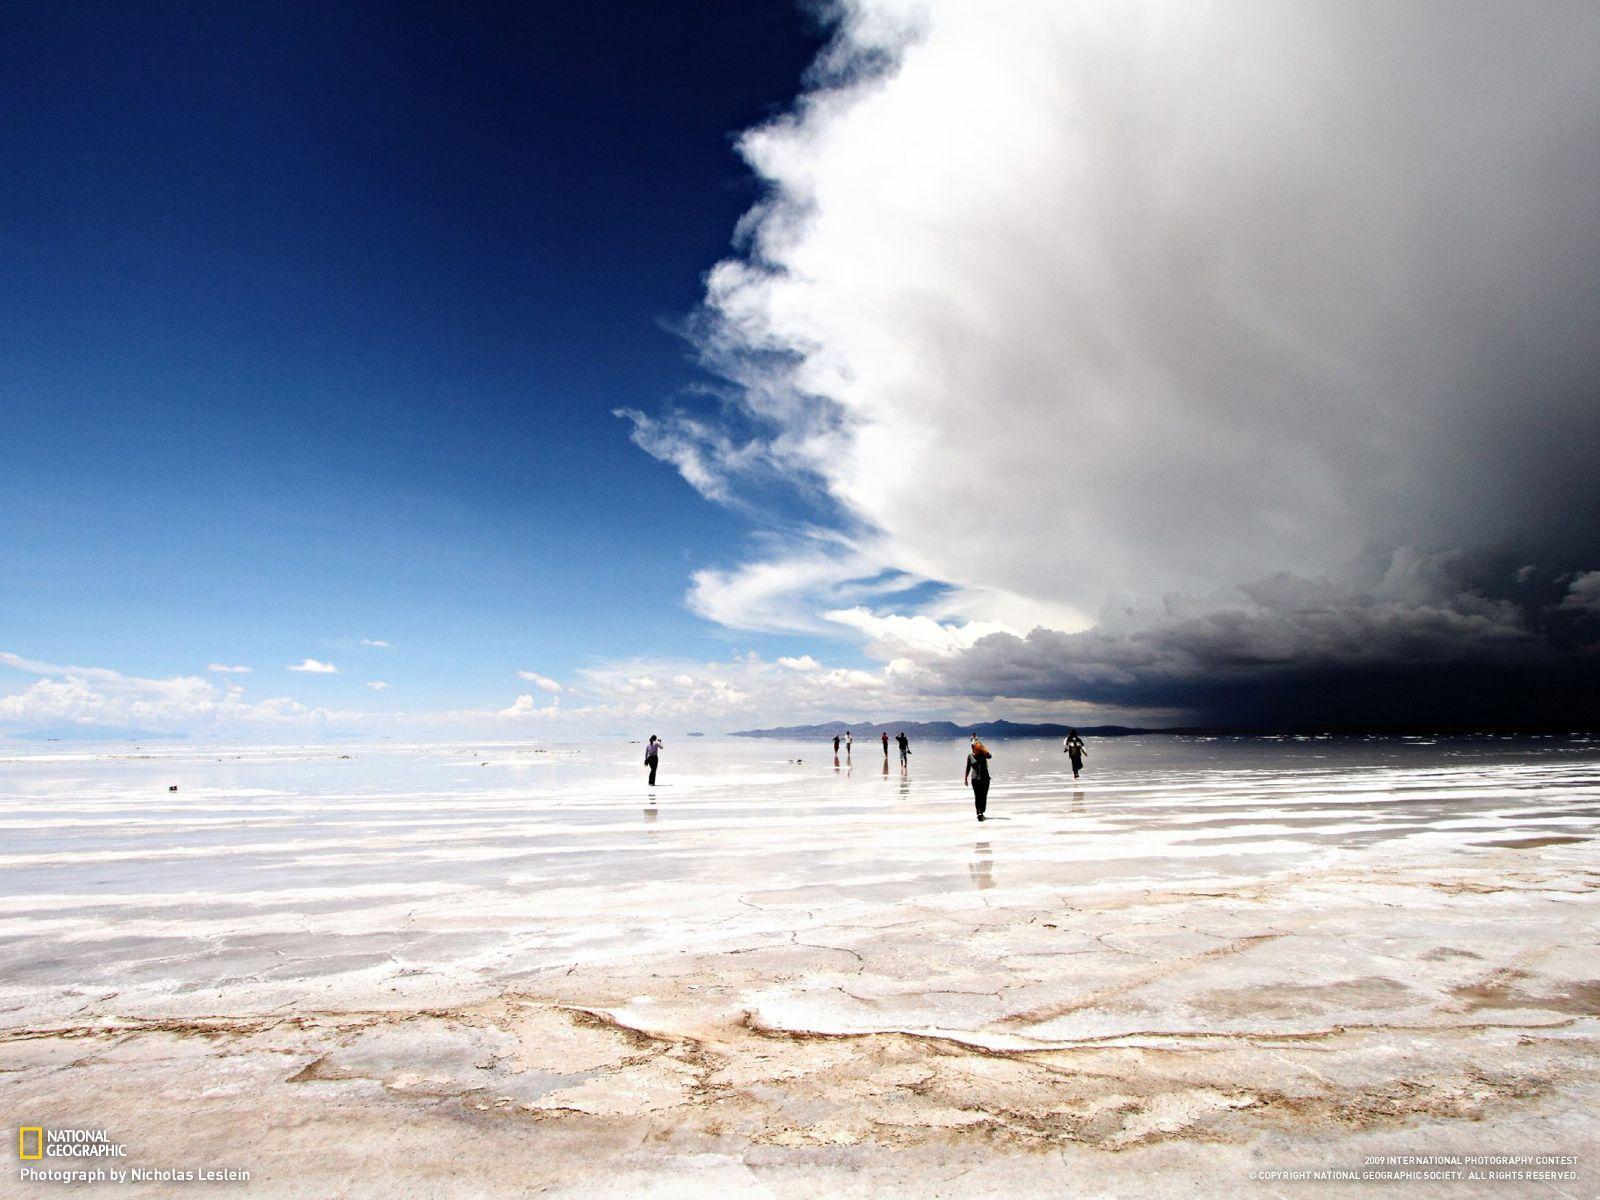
96, 733
866, 731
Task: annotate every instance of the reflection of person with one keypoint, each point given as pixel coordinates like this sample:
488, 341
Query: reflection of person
977, 773
905, 746
1072, 747
652, 756
981, 868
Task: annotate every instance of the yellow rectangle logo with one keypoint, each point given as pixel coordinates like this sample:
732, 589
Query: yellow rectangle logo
38, 1141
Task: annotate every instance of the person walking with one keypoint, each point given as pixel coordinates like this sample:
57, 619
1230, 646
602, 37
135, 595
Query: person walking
977, 774
652, 756
905, 748
836, 745
885, 745
849, 743
1072, 747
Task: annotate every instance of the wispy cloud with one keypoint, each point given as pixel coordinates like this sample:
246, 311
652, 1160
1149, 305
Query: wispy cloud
378, 642
311, 666
543, 682
377, 685
224, 669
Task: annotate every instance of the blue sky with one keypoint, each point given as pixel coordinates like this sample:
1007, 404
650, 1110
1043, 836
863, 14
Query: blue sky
316, 318
709, 365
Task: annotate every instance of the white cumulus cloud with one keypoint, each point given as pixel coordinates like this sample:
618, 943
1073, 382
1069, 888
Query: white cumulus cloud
312, 667
91, 696
525, 706
1061, 307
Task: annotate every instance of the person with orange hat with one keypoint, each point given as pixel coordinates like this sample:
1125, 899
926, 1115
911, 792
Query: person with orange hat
977, 773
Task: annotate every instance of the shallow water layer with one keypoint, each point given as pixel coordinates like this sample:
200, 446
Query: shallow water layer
790, 972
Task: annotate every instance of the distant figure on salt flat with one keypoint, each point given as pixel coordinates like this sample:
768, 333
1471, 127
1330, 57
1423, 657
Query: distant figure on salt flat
652, 756
1072, 746
836, 745
848, 743
905, 748
885, 745
977, 773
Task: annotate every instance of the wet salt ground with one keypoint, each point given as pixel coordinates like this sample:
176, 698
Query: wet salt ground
460, 865
779, 980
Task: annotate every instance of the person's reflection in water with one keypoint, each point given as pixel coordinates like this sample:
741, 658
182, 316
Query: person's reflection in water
886, 766
981, 868
1077, 799
835, 762
650, 815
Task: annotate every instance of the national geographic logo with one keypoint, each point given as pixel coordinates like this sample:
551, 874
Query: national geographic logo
35, 1142
39, 1142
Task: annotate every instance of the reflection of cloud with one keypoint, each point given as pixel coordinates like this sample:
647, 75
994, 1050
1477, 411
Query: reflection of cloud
312, 667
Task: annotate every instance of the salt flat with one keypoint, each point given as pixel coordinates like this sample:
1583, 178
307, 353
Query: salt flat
473, 970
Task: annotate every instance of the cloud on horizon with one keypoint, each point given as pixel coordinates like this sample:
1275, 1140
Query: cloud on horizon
92, 696
1213, 358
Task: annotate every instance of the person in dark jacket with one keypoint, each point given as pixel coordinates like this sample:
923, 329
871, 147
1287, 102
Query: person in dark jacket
1073, 749
905, 747
652, 756
977, 774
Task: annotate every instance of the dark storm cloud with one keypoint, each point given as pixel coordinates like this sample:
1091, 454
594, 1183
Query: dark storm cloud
1429, 642
1063, 302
